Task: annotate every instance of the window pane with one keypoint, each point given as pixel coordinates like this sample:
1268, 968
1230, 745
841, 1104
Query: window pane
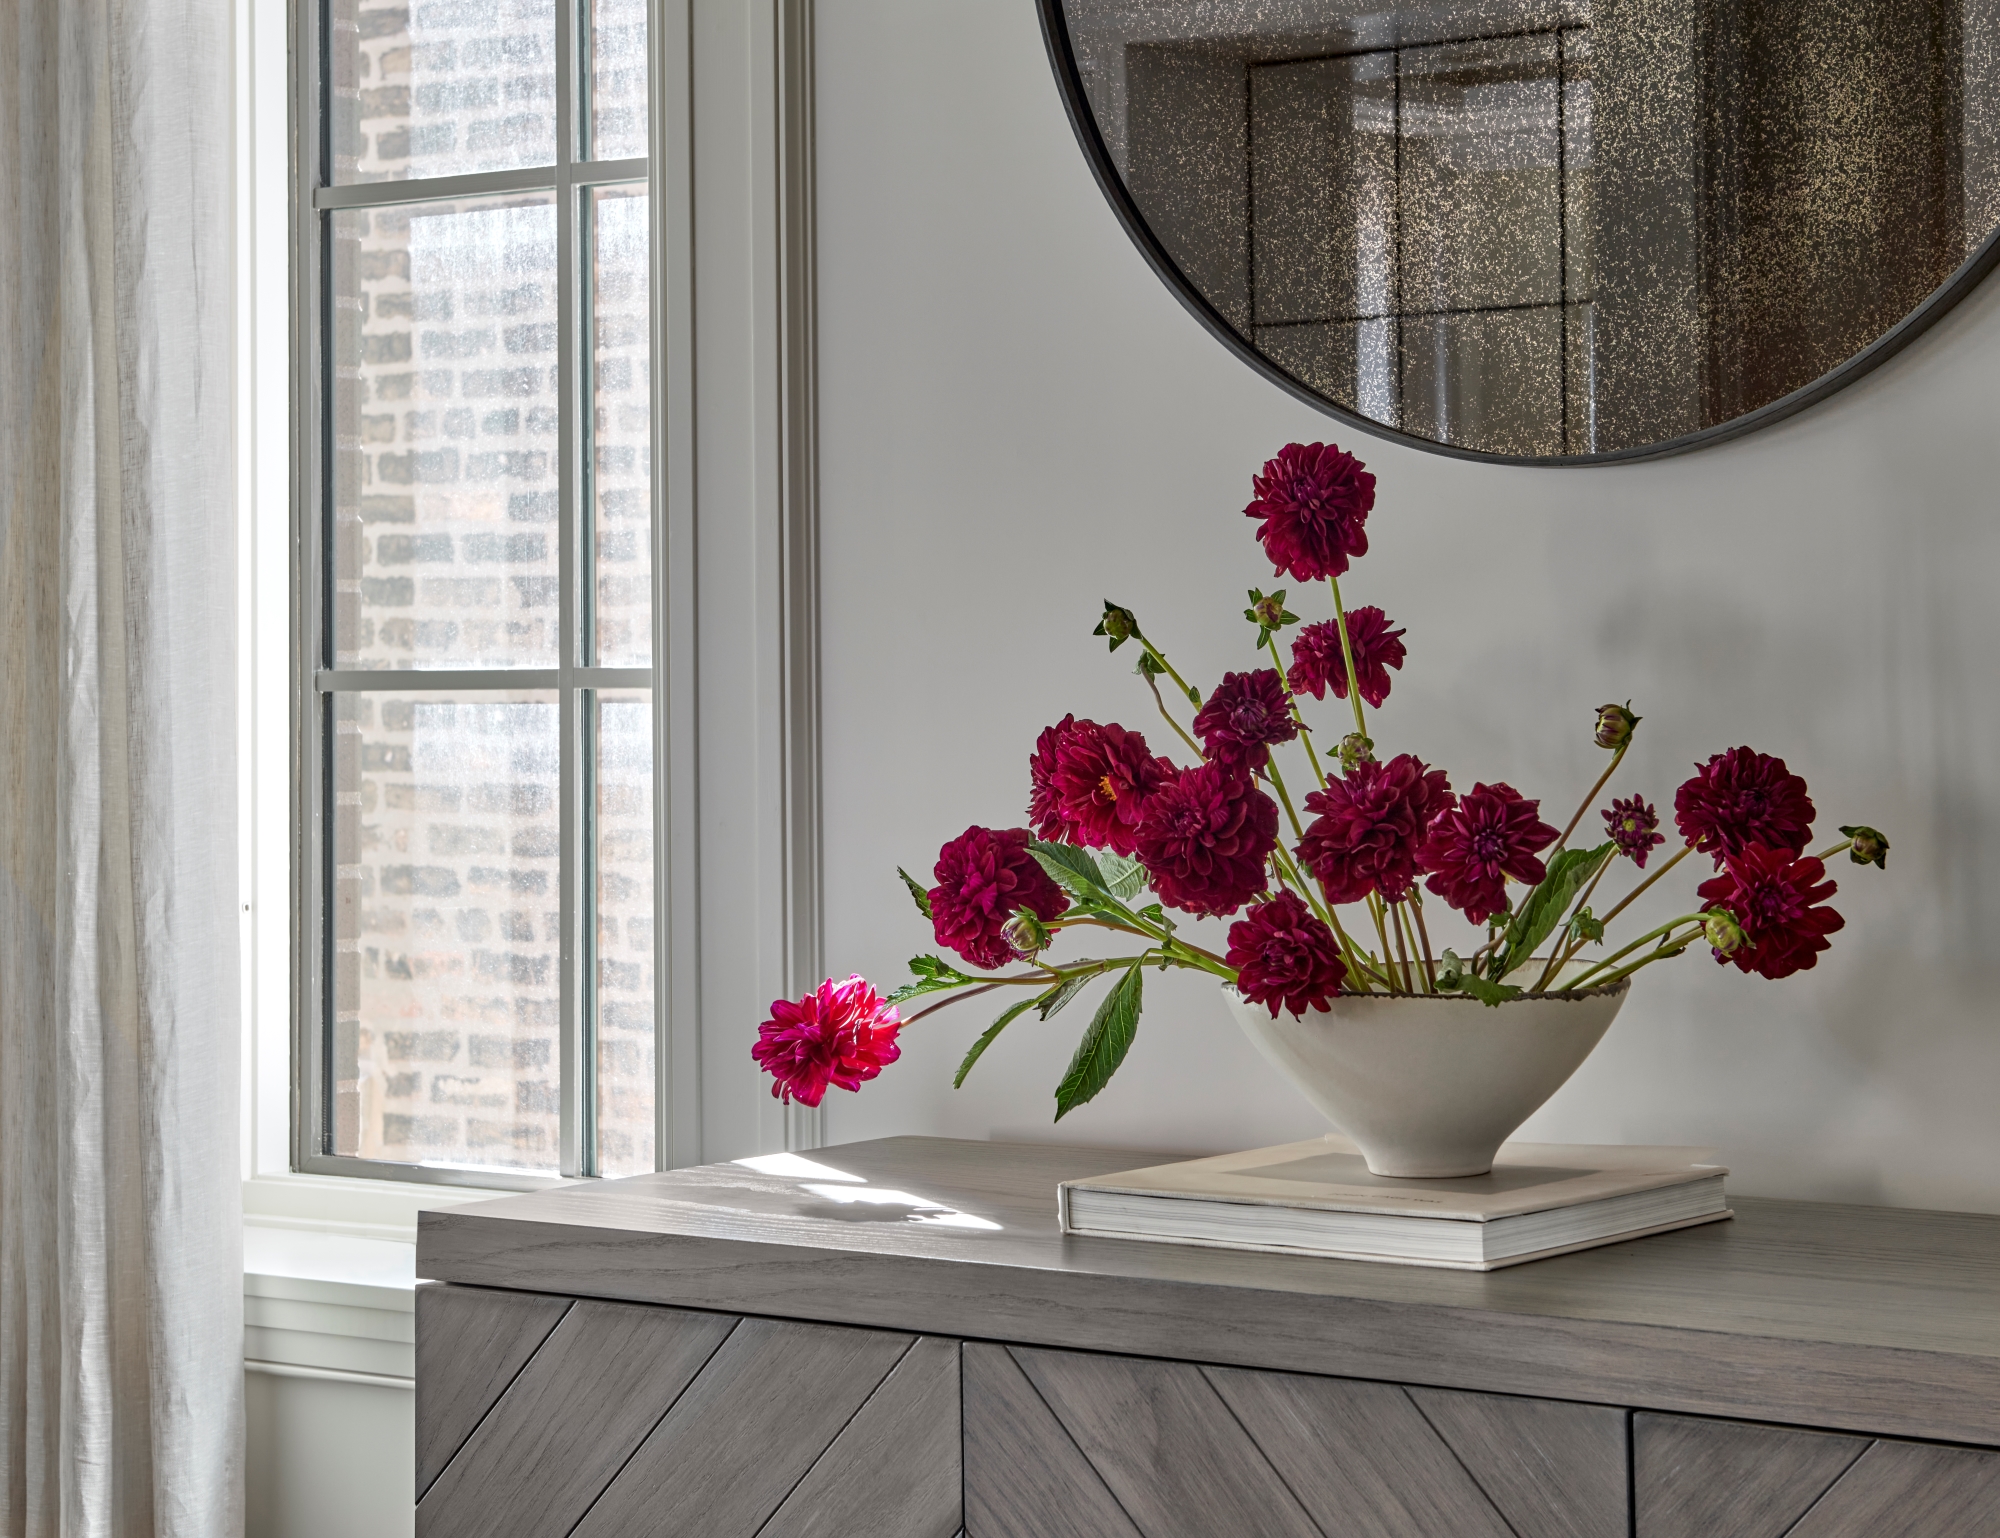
617, 79
625, 954
440, 87
443, 364
446, 940
621, 428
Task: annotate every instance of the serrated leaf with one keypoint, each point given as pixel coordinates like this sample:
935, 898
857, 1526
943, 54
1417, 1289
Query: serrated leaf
1124, 879
991, 1031
1074, 870
1104, 1044
1052, 1001
1543, 908
923, 897
933, 976
1492, 995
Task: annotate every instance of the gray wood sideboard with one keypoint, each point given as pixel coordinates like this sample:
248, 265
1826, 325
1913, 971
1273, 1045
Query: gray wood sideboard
902, 1346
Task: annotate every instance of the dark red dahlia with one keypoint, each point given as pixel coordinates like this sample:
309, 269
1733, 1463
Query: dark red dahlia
1740, 798
1089, 784
1318, 665
1370, 826
1244, 716
983, 875
1284, 955
840, 1033
1312, 502
1206, 838
1776, 897
1632, 824
1491, 834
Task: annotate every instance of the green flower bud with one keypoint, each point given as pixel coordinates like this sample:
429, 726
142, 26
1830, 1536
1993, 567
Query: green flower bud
1026, 933
1869, 847
1119, 625
1723, 932
1614, 725
1268, 614
1356, 749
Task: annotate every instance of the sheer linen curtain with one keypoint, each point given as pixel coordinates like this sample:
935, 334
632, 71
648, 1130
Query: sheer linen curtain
120, 1241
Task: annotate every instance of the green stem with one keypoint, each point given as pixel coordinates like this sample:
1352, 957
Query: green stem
1662, 954
1347, 655
1278, 782
1161, 657
1560, 953
1403, 948
1424, 934
1583, 980
1305, 732
1382, 930
1632, 896
1184, 737
1616, 759
1833, 849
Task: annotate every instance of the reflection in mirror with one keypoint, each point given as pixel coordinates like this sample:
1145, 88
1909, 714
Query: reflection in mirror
1552, 227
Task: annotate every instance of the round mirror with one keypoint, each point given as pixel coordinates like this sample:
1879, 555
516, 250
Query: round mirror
1576, 230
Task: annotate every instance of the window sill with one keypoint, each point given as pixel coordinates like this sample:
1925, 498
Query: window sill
324, 1305
383, 1210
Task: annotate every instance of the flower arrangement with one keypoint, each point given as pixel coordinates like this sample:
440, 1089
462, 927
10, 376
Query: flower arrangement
1328, 891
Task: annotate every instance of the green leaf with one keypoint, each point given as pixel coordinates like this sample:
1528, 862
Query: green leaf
1155, 915
1064, 991
1104, 1044
1587, 926
1492, 995
1542, 909
1072, 869
933, 976
923, 897
1124, 879
991, 1031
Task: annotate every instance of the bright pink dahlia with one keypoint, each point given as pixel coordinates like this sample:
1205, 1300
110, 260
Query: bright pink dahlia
1632, 823
1491, 834
1740, 798
1312, 502
1244, 716
1089, 784
840, 1033
1370, 828
1776, 900
1317, 663
1284, 955
983, 875
1205, 840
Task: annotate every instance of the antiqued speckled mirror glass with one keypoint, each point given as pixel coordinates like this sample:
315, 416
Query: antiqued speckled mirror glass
1548, 229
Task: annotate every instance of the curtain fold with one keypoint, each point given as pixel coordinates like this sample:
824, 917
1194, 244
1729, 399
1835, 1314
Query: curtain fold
120, 1226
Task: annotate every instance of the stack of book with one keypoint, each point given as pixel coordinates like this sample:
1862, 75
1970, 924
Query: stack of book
1318, 1198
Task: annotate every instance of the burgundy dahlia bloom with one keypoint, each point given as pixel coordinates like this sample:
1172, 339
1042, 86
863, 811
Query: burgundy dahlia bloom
1632, 824
1318, 665
1089, 784
1312, 502
1491, 834
1284, 955
840, 1033
983, 875
1740, 798
1244, 716
1776, 898
1206, 838
1370, 826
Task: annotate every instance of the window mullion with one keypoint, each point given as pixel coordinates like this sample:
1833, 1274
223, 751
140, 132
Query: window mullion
574, 1076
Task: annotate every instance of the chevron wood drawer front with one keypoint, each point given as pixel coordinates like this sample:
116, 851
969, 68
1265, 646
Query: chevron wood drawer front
542, 1417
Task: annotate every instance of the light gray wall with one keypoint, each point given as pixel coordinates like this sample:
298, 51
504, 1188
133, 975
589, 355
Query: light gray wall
1019, 421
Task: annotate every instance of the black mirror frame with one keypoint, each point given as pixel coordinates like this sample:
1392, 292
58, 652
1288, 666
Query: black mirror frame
1069, 83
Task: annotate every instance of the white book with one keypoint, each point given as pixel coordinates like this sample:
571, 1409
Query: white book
1318, 1198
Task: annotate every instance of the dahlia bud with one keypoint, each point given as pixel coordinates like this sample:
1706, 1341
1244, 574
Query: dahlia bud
1026, 933
1269, 615
1119, 625
1356, 749
1723, 932
1869, 847
1614, 725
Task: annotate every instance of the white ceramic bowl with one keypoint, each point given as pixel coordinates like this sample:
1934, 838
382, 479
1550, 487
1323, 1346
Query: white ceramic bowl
1430, 1086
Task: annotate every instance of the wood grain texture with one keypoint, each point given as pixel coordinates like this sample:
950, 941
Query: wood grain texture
1903, 1490
1166, 1446
895, 1471
1359, 1457
1696, 1478
1848, 1317
1554, 1470
470, 1344
746, 1431
1024, 1477
601, 1381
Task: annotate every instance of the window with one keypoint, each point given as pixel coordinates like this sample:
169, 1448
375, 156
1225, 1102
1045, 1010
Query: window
478, 859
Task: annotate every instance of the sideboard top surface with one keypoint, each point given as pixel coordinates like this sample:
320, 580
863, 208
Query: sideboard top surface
1870, 1318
